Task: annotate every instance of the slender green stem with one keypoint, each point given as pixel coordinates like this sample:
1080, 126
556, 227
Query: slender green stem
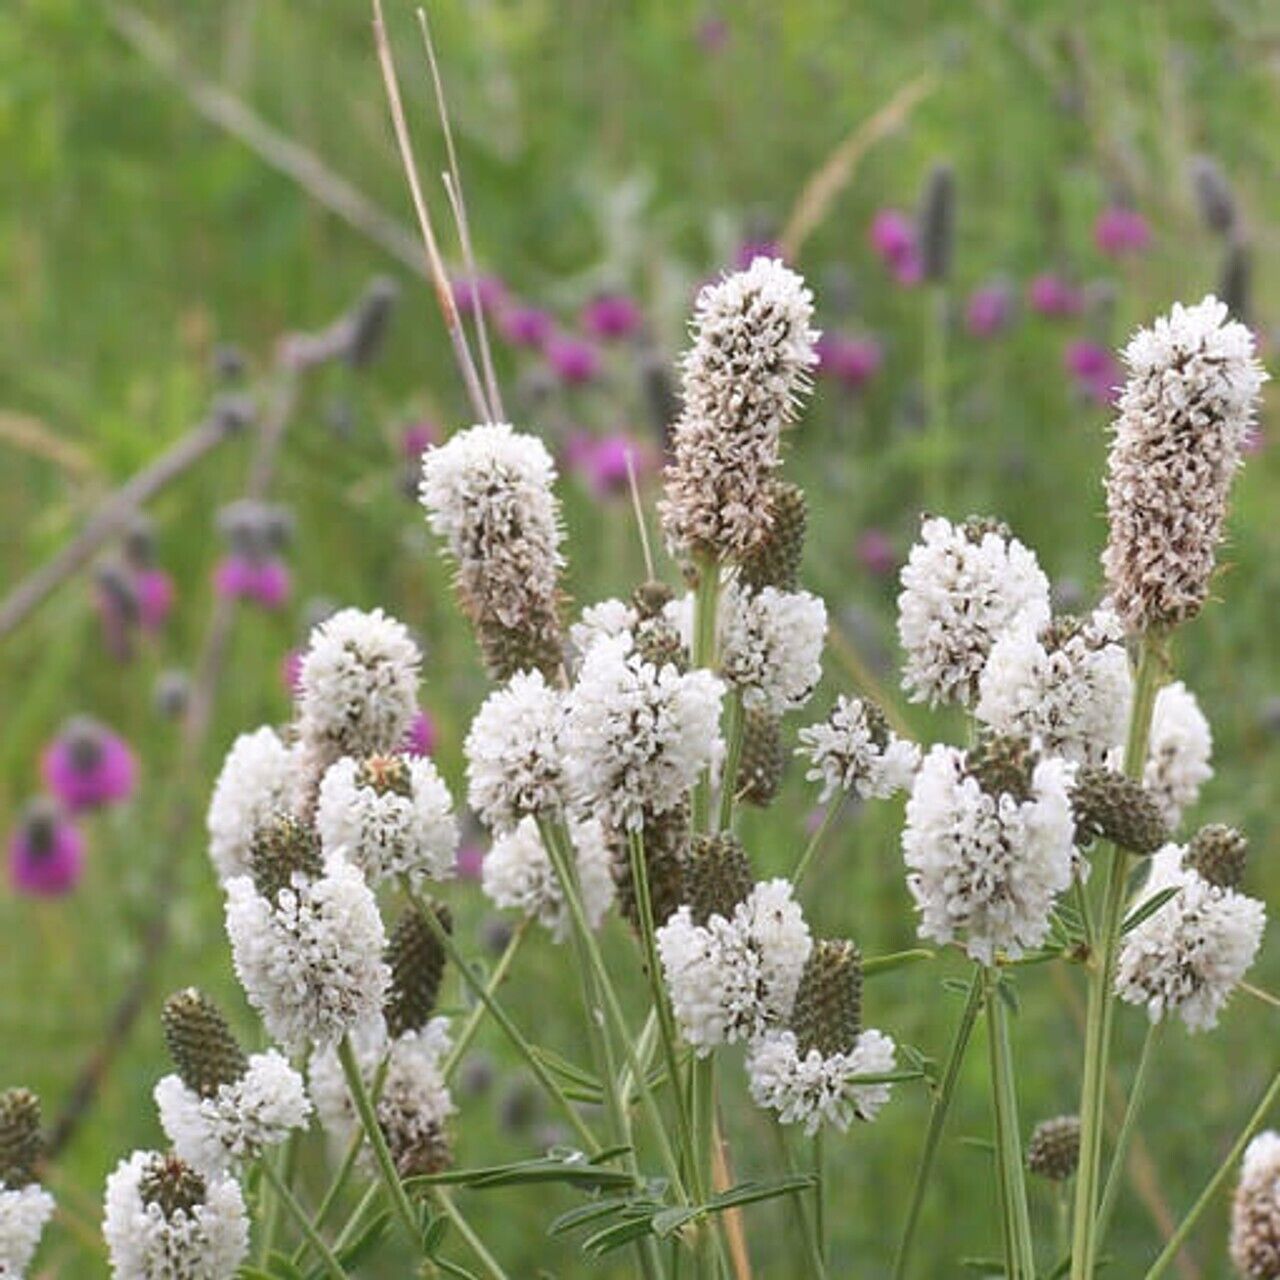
1086, 913
286, 1198
706, 603
476, 1016
1020, 1247
1127, 1129
834, 808
1099, 1015
467, 1232
735, 725
268, 1207
938, 1120
817, 1268
1224, 1172
367, 1201
820, 1193
935, 382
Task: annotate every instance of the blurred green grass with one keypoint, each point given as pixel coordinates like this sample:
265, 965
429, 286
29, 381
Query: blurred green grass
133, 235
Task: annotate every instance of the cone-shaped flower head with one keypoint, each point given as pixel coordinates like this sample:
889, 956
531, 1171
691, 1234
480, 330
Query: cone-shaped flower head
1184, 416
854, 749
718, 876
1255, 1211
416, 958
25, 1206
771, 646
666, 858
87, 766
258, 778
775, 560
1219, 853
1179, 752
763, 760
1053, 1150
743, 378
1107, 805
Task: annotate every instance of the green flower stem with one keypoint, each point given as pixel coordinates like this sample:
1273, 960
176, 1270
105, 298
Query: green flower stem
404, 1211
268, 1208
1224, 1172
1101, 1005
834, 808
937, 1121
476, 1016
467, 1232
1019, 1246
817, 1268
706, 603
1127, 1128
285, 1197
500, 1016
820, 1194
348, 1232
735, 726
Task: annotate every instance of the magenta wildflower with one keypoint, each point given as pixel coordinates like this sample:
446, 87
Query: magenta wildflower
233, 577
757, 247
609, 316
489, 289
852, 361
896, 243
87, 765
470, 861
271, 583
1096, 371
876, 554
525, 326
989, 310
712, 34
46, 851
573, 361
1120, 230
1052, 295
601, 461
417, 438
153, 589
422, 736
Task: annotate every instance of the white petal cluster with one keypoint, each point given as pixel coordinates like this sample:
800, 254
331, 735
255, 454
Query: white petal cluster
488, 493
207, 1243
357, 688
848, 752
771, 646
1186, 410
240, 1121
1255, 1211
257, 780
1179, 753
742, 381
414, 1104
23, 1214
518, 874
1192, 952
386, 833
812, 1089
515, 756
604, 618
962, 588
310, 962
731, 980
637, 736
983, 866
1069, 693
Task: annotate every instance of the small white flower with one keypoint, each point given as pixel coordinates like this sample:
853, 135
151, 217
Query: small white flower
311, 961
515, 757
852, 750
637, 736
517, 873
1067, 690
1255, 1211
240, 1121
23, 1214
963, 586
730, 980
987, 866
1193, 951
605, 618
408, 828
813, 1089
771, 646
257, 780
1179, 753
208, 1242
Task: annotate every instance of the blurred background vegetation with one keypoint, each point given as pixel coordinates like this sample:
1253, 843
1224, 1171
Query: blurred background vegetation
632, 147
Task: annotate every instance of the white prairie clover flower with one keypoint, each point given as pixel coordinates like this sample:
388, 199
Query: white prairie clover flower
810, 1088
731, 979
1185, 412
517, 873
257, 779
391, 816
414, 1104
1193, 951
488, 493
742, 379
853, 749
1179, 752
1255, 1211
164, 1221
23, 1214
637, 736
986, 865
963, 586
310, 960
771, 646
1067, 686
240, 1120
605, 618
515, 756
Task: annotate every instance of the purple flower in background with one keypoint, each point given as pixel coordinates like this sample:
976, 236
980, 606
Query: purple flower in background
291, 671
1051, 295
750, 250
850, 360
1096, 371
489, 289
875, 553
155, 595
87, 765
470, 861
602, 461
894, 239
525, 326
573, 361
46, 851
422, 736
1120, 230
712, 34
271, 584
233, 577
989, 310
417, 438
610, 316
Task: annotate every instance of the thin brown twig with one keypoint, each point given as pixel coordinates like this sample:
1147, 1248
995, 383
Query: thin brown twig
22, 431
